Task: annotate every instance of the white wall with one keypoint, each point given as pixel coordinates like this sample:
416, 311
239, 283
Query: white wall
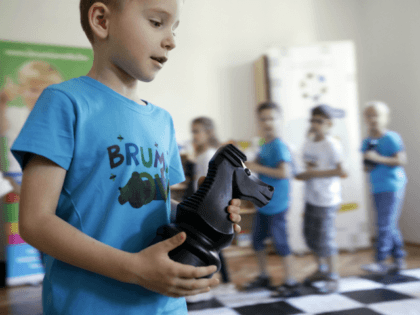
210, 72
386, 33
391, 72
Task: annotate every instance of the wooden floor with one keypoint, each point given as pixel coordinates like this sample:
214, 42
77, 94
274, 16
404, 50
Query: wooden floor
26, 300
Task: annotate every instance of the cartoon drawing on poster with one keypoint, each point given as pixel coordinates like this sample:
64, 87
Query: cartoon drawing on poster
32, 78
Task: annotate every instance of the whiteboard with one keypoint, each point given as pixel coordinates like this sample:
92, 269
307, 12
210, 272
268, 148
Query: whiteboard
301, 78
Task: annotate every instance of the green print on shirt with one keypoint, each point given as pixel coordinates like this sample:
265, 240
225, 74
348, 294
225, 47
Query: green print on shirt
142, 187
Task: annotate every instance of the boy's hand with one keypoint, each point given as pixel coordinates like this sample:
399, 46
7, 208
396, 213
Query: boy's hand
253, 166
153, 269
233, 209
372, 155
8, 93
234, 215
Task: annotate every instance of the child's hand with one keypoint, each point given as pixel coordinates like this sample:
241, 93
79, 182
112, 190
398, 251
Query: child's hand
310, 165
310, 173
153, 269
372, 155
233, 209
8, 93
252, 166
234, 216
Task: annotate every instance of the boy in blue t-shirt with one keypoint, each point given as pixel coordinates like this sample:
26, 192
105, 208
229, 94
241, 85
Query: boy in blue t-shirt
385, 157
97, 165
273, 168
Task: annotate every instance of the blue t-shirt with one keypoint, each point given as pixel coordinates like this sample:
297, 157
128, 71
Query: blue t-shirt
271, 155
120, 158
385, 178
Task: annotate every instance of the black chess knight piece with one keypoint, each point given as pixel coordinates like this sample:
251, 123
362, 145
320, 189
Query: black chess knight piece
203, 216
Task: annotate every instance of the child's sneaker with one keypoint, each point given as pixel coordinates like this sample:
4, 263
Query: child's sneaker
287, 290
398, 265
377, 268
260, 282
331, 284
315, 277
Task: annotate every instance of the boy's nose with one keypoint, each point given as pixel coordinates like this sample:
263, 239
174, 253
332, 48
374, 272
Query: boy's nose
169, 42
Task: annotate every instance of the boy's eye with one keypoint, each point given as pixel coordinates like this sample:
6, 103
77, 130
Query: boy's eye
156, 23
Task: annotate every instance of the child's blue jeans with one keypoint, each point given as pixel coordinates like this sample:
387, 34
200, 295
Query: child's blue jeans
274, 226
389, 238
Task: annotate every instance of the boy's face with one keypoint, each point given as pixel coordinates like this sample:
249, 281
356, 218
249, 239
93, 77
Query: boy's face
320, 125
375, 120
141, 36
269, 120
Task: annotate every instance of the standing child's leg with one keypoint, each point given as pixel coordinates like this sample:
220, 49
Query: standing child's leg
312, 219
389, 240
388, 237
260, 233
262, 262
324, 245
398, 252
278, 230
329, 248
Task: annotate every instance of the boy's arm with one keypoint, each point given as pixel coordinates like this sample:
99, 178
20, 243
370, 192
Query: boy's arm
311, 173
280, 172
398, 159
151, 268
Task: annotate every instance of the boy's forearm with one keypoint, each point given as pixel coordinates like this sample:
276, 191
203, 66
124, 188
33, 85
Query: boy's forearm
302, 176
320, 174
55, 237
391, 161
327, 173
271, 171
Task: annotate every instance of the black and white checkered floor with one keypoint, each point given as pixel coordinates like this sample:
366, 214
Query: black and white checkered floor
397, 294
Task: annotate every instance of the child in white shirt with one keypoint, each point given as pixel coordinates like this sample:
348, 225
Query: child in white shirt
323, 158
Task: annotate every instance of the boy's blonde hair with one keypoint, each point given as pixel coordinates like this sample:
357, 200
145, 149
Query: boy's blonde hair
39, 71
380, 107
84, 11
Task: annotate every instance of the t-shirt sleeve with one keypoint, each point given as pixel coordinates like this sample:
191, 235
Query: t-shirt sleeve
395, 143
364, 145
304, 152
48, 131
282, 153
176, 172
336, 152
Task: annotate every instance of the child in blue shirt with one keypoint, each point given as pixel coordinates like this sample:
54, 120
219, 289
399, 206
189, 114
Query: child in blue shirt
385, 157
97, 165
273, 168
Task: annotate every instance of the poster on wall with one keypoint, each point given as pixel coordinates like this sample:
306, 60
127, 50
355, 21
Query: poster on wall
26, 69
299, 79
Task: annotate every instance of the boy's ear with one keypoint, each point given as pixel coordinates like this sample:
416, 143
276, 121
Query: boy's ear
330, 123
99, 15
